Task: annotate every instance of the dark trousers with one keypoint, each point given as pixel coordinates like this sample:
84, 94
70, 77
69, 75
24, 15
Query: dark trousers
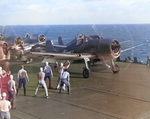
12, 96
64, 81
22, 81
49, 77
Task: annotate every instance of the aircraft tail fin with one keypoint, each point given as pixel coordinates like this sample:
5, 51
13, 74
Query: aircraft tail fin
49, 46
60, 42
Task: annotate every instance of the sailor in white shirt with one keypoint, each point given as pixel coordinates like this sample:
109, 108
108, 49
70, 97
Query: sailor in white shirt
48, 74
61, 70
65, 78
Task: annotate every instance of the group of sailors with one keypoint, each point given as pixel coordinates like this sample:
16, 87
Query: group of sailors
63, 79
43, 74
7, 103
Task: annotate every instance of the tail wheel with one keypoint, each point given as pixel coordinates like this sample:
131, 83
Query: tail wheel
86, 73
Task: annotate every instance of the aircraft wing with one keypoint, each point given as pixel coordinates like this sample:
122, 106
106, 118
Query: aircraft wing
62, 56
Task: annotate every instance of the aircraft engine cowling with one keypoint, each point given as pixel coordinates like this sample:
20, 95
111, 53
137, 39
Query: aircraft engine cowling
109, 49
41, 38
4, 52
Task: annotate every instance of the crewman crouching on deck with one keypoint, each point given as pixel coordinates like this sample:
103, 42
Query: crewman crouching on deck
65, 78
61, 70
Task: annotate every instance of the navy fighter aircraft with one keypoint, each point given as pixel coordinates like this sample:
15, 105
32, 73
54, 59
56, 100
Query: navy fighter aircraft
87, 48
33, 38
20, 50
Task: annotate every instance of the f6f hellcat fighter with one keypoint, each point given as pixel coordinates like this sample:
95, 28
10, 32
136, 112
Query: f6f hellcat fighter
87, 48
20, 50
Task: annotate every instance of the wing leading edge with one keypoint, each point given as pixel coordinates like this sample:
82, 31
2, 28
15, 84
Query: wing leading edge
63, 56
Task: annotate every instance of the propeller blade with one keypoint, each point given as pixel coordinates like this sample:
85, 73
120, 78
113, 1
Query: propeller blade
14, 31
131, 48
125, 41
3, 30
96, 30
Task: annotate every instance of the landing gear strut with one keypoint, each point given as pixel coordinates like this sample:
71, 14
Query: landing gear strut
86, 71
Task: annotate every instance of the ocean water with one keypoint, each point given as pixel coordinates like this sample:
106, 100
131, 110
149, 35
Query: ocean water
129, 35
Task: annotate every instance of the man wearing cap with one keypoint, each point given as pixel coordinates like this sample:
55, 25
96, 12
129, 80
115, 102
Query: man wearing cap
11, 91
4, 107
23, 78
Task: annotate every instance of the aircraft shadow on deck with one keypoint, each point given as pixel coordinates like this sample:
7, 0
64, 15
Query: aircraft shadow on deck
75, 75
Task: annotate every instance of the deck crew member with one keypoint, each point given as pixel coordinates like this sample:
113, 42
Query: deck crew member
4, 107
48, 73
23, 78
61, 70
65, 78
41, 81
11, 91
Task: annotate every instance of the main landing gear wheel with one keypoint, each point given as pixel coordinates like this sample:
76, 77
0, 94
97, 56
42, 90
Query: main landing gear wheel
116, 69
86, 73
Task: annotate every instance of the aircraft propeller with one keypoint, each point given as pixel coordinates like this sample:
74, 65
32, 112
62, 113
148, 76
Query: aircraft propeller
122, 33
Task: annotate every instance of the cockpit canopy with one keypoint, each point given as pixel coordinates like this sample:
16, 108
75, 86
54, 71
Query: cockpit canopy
82, 38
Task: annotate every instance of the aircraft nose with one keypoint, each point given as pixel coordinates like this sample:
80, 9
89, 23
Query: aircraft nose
116, 48
108, 48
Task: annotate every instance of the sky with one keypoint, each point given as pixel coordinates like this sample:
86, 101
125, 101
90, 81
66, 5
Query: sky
55, 12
